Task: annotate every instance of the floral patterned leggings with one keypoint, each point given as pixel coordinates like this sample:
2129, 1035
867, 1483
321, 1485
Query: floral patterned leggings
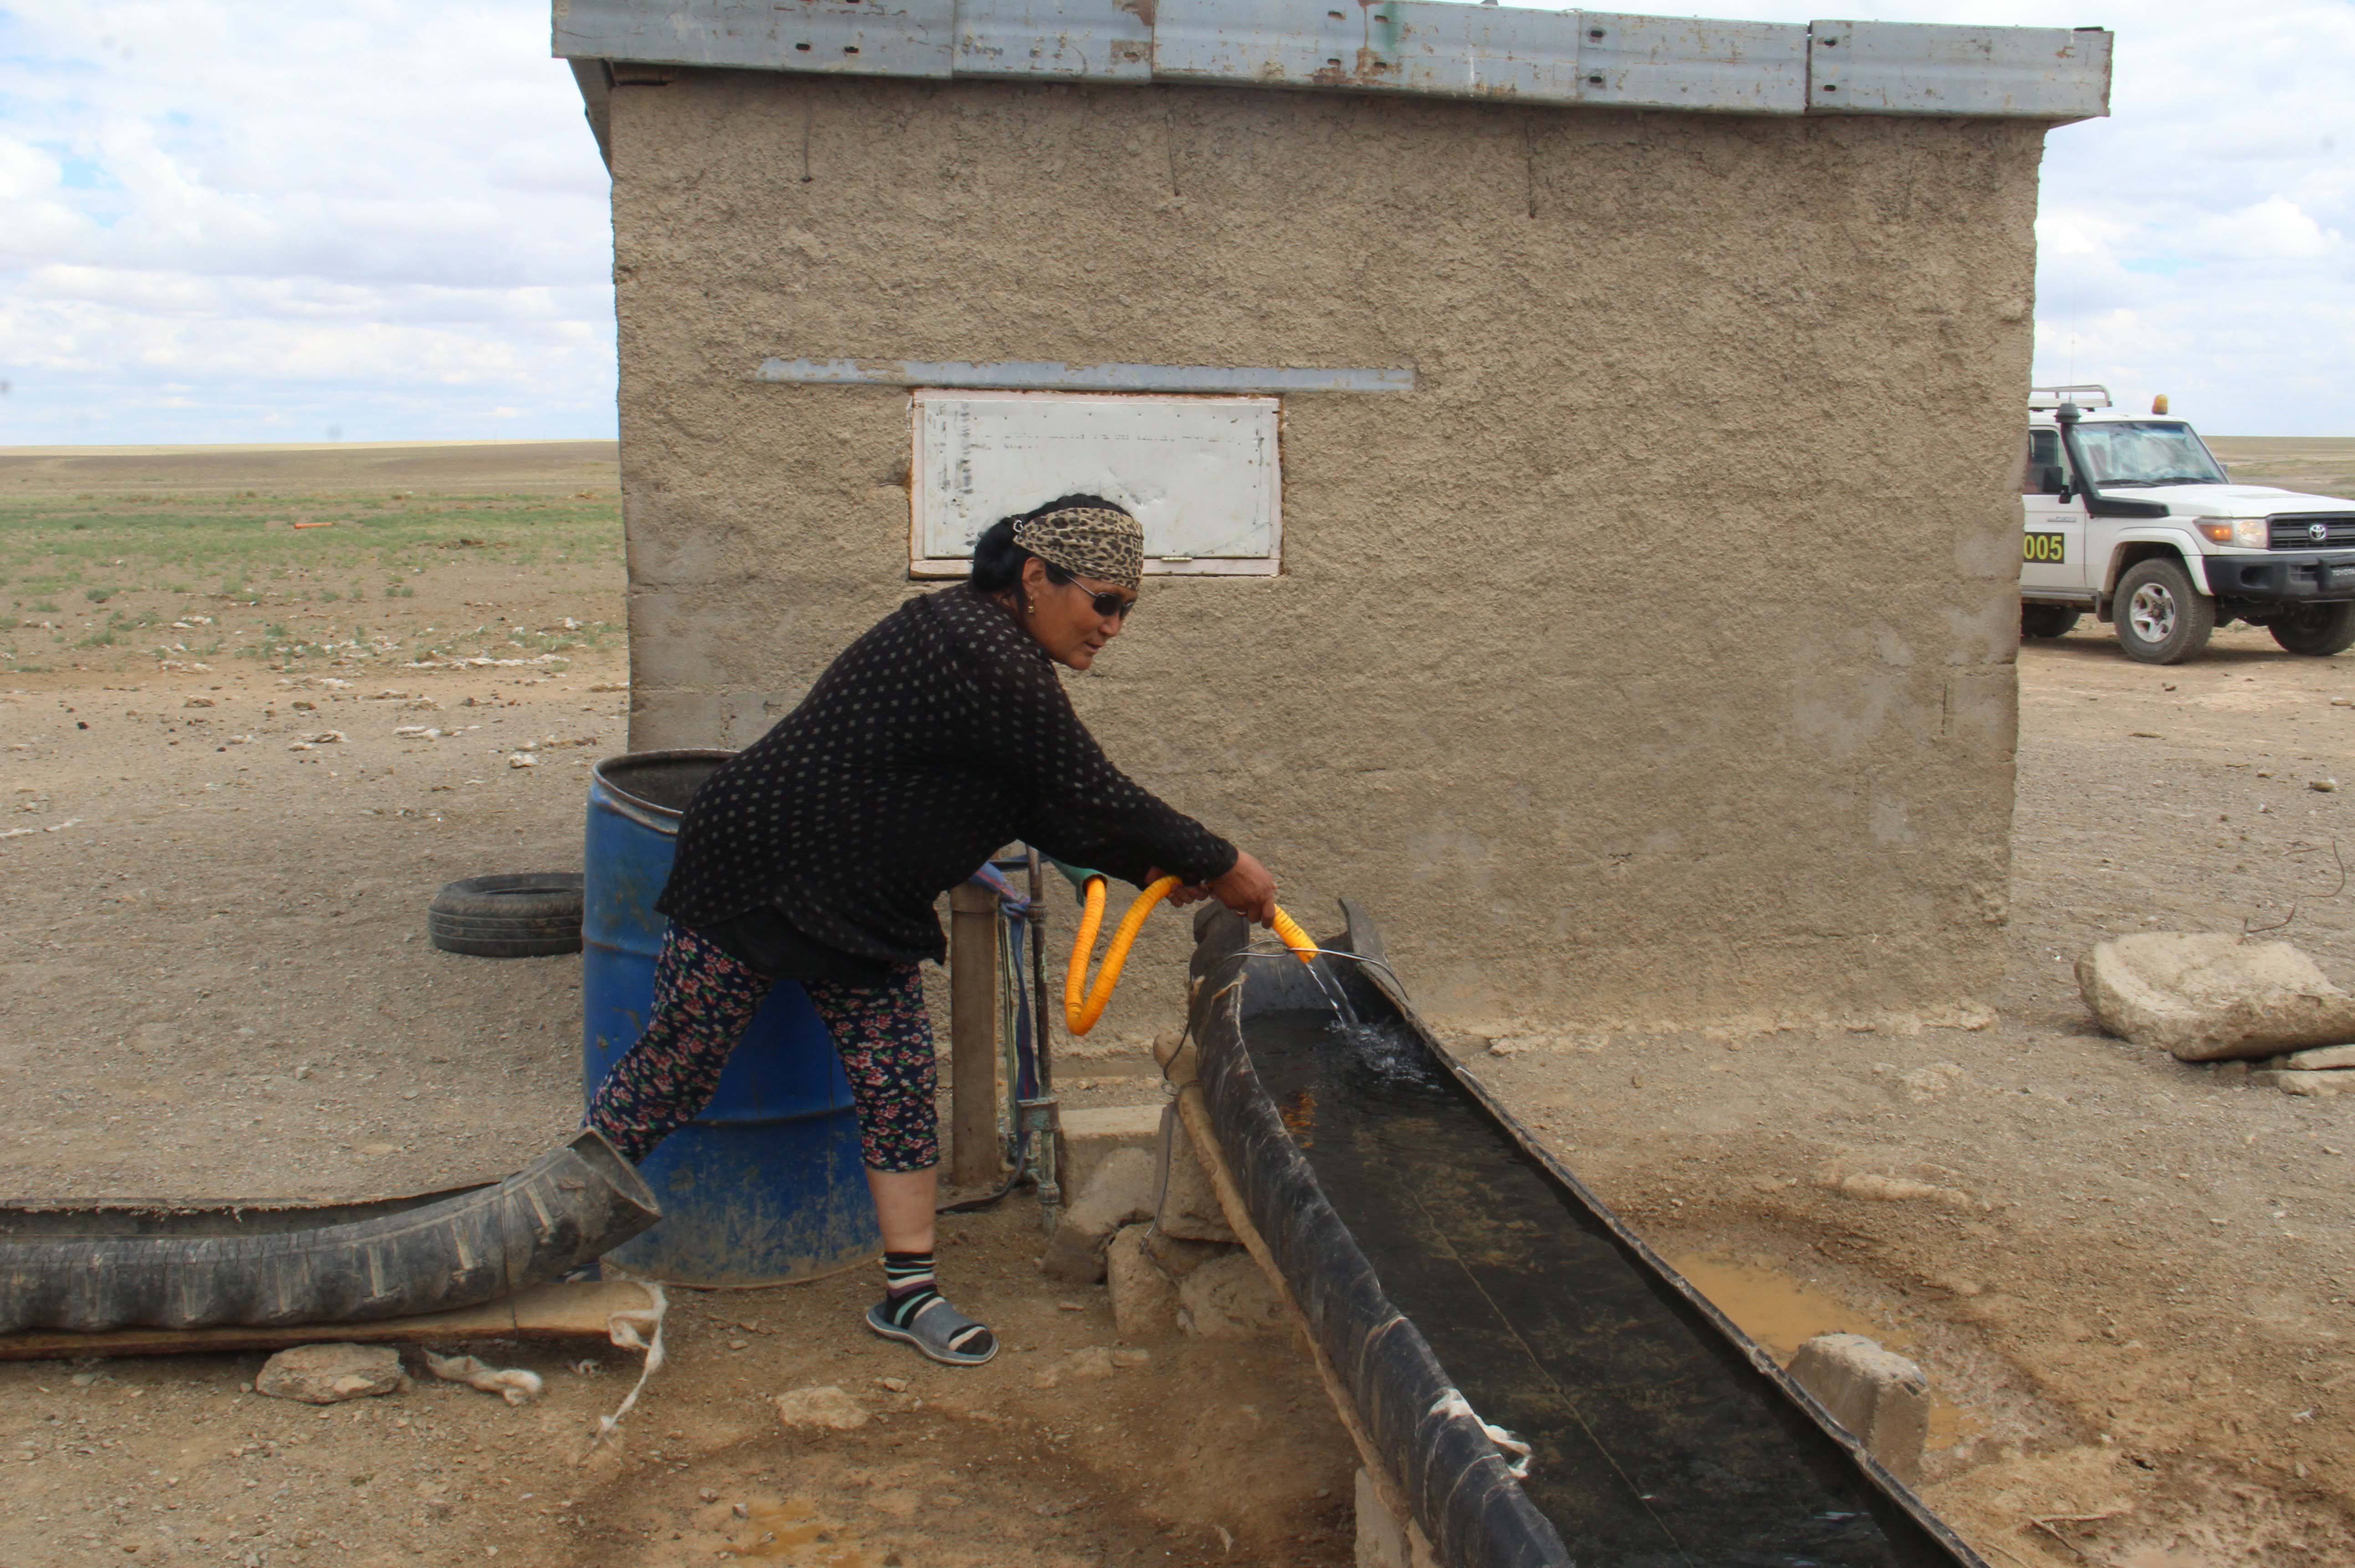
703, 1001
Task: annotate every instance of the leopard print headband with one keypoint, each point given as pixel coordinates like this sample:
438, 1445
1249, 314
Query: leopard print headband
1088, 542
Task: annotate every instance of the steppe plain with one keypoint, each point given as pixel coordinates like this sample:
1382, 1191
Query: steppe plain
2130, 1279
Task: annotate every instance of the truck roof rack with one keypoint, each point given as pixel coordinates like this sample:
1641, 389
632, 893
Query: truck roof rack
2085, 397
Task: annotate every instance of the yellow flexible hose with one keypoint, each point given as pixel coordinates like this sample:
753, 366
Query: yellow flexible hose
1083, 1004
1303, 947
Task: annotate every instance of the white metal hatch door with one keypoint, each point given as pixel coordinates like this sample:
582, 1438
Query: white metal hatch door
1203, 475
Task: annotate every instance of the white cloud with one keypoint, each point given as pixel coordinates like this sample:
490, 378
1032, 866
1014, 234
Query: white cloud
257, 220
241, 218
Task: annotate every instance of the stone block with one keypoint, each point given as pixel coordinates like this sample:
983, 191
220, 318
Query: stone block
1119, 1190
330, 1374
1185, 1206
1878, 1396
1090, 1134
1179, 1258
1228, 1299
1144, 1296
2209, 996
1385, 1541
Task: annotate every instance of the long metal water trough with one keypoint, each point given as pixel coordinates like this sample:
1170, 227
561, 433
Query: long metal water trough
1436, 1249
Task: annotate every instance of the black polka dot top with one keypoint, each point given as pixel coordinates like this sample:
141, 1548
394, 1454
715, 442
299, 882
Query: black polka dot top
937, 737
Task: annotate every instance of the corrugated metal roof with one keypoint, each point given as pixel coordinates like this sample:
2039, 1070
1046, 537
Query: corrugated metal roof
1428, 46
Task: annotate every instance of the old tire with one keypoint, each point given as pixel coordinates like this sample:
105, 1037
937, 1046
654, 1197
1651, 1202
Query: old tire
526, 915
2047, 620
2160, 617
2319, 630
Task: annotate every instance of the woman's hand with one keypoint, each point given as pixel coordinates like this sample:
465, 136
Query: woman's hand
1247, 889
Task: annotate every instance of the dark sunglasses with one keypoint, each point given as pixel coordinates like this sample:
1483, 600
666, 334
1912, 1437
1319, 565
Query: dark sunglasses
1107, 604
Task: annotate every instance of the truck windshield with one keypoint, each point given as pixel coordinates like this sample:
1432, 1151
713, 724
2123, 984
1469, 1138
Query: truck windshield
2144, 452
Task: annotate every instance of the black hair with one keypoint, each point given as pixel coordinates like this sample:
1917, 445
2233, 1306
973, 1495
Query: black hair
997, 559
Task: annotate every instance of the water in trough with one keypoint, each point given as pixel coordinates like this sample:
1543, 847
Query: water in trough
1655, 1446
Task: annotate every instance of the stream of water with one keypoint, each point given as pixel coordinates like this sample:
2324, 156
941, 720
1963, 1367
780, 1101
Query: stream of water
1653, 1447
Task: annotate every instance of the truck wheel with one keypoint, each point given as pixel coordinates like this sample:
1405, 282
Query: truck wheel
2320, 630
2047, 620
2161, 618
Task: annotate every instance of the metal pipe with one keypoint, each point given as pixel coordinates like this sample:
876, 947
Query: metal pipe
1045, 1025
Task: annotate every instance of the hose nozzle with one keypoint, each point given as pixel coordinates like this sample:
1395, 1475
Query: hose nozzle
1303, 947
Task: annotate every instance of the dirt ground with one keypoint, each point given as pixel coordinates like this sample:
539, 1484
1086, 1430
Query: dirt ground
2128, 1278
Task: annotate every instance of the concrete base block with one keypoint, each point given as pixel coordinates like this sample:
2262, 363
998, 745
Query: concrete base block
1186, 1206
1384, 1541
1091, 1135
1878, 1396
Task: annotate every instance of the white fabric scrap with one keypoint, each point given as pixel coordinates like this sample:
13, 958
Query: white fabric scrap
1454, 1404
514, 1384
624, 1329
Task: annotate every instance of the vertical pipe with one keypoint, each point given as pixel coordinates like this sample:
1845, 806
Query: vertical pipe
1042, 1031
973, 1036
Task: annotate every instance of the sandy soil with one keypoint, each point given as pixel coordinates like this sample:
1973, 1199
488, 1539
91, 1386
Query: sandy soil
2128, 1279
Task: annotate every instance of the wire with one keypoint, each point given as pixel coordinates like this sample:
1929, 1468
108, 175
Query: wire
1288, 951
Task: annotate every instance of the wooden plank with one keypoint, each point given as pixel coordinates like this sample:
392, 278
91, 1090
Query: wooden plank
576, 1311
974, 1157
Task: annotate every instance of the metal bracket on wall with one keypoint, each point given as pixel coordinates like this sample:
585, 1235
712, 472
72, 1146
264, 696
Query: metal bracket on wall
1053, 376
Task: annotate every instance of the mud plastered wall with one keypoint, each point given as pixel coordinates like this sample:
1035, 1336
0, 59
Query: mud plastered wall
1652, 660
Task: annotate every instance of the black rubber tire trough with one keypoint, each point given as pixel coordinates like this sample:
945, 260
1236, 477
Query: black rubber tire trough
156, 1267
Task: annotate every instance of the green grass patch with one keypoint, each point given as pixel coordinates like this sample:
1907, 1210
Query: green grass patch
150, 542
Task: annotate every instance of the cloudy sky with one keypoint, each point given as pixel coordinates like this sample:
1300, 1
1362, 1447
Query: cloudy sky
262, 222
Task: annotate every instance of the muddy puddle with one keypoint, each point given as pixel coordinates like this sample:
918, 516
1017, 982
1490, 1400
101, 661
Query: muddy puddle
1782, 1310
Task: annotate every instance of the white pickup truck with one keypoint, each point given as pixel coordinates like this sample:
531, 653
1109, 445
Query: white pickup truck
2130, 516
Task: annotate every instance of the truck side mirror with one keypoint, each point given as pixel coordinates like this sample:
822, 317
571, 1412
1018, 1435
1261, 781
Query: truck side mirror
2054, 481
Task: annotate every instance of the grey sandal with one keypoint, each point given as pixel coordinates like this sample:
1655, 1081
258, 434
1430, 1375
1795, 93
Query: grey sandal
939, 1330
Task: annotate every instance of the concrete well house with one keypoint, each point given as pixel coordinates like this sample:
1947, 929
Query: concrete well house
1580, 452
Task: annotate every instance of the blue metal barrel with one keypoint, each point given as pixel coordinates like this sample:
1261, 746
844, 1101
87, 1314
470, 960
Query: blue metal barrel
767, 1185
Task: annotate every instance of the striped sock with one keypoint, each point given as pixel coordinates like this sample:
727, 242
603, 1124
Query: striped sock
907, 1285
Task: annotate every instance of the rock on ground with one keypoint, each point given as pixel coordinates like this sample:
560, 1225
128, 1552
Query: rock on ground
1120, 1190
1177, 1259
2311, 1084
1228, 1299
825, 1407
2322, 1059
330, 1374
2209, 996
1083, 1365
1877, 1394
1143, 1298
